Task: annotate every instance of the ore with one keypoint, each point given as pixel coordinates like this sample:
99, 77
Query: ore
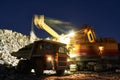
11, 41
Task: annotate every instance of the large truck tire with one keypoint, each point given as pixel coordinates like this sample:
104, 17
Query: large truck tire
39, 67
24, 66
98, 68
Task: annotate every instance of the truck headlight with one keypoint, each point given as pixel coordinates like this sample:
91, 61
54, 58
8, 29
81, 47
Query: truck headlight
68, 59
49, 58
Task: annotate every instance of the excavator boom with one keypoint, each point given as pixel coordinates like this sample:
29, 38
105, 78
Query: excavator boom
39, 22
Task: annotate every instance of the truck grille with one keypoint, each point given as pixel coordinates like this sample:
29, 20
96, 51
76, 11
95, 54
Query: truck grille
62, 64
62, 61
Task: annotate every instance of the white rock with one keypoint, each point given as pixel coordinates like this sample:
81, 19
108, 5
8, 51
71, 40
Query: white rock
11, 42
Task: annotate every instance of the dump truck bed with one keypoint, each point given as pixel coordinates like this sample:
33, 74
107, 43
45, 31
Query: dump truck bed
28, 50
24, 52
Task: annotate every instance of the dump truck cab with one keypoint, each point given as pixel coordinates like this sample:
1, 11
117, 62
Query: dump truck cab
43, 55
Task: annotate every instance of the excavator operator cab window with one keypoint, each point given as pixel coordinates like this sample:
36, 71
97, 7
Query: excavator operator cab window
91, 37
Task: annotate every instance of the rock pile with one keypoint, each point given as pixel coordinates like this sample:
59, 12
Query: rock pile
11, 42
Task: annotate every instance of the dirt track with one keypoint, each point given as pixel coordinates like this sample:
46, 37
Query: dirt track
85, 77
11, 74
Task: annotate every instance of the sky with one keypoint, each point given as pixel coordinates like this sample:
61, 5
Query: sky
102, 15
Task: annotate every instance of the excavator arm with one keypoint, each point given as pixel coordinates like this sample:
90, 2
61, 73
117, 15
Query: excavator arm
39, 22
86, 29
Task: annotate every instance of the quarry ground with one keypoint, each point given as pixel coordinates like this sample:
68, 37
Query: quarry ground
11, 74
92, 76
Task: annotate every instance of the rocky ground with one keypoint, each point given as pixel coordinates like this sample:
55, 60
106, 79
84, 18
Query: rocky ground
11, 74
86, 76
11, 41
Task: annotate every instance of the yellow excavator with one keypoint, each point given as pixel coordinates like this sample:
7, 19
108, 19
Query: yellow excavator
77, 41
87, 52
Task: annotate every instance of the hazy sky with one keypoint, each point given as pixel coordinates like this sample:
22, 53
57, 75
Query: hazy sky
102, 15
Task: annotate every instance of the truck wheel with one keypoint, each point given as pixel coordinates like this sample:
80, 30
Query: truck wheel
98, 68
90, 67
24, 66
39, 67
60, 72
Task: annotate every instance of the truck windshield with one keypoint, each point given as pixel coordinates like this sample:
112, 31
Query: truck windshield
62, 50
